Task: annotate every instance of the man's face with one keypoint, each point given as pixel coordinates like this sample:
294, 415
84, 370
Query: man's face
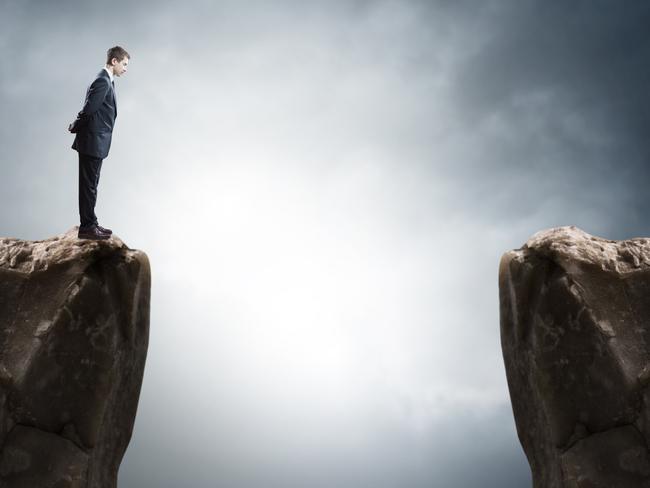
119, 67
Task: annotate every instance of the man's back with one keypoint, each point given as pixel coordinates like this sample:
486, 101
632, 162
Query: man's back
95, 122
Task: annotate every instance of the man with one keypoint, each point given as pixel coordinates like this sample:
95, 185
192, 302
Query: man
94, 129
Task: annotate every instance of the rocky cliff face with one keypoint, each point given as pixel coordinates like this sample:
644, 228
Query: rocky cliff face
575, 333
74, 327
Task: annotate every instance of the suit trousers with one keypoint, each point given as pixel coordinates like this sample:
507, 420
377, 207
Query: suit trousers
89, 169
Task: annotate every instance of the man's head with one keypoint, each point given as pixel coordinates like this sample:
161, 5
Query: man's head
117, 59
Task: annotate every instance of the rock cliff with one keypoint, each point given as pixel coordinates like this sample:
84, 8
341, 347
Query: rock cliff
575, 333
74, 328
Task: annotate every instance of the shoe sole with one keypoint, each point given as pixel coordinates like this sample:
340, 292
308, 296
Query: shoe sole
94, 238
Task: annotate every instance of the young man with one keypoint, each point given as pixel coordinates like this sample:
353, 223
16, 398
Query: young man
94, 128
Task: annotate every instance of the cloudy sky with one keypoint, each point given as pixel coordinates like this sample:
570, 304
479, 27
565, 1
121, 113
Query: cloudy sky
324, 190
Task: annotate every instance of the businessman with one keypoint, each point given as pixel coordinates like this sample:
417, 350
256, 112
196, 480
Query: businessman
94, 129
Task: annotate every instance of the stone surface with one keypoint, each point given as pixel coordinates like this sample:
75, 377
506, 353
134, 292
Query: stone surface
74, 328
575, 334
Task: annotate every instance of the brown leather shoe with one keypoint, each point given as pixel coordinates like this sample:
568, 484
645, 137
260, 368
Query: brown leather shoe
105, 231
93, 233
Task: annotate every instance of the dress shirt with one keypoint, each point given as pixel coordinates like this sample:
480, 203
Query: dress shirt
109, 73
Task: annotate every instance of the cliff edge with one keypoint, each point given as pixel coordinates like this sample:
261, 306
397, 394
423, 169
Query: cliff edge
74, 328
575, 334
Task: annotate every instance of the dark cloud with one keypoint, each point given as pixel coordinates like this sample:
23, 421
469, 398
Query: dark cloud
570, 84
591, 55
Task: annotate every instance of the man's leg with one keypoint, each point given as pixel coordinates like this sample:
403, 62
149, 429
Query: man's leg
89, 168
99, 169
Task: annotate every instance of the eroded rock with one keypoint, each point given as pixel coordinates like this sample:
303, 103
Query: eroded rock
575, 334
74, 328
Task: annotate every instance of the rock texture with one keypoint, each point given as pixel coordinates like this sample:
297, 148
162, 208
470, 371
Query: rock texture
74, 327
575, 333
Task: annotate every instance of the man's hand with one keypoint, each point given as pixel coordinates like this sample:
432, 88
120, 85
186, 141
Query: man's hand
74, 126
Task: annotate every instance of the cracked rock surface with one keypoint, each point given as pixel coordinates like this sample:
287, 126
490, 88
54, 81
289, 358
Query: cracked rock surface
74, 328
575, 334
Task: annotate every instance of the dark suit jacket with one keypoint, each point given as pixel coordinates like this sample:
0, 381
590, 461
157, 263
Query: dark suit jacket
94, 124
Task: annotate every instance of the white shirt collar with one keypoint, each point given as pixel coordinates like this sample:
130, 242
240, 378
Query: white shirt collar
109, 73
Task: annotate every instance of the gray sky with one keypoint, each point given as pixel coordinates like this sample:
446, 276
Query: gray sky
324, 190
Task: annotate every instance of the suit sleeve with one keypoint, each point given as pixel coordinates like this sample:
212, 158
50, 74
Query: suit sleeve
94, 98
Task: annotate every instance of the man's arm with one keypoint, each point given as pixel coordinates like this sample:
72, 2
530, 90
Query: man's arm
96, 95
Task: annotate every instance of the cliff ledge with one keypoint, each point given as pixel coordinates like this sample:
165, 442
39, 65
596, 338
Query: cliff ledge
575, 334
74, 328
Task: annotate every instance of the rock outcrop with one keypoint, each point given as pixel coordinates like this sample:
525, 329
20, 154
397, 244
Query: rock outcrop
575, 333
74, 328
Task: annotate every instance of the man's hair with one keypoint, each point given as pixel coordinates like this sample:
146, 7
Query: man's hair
116, 52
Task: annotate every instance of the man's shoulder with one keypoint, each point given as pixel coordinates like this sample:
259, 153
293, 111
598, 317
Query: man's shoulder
102, 78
